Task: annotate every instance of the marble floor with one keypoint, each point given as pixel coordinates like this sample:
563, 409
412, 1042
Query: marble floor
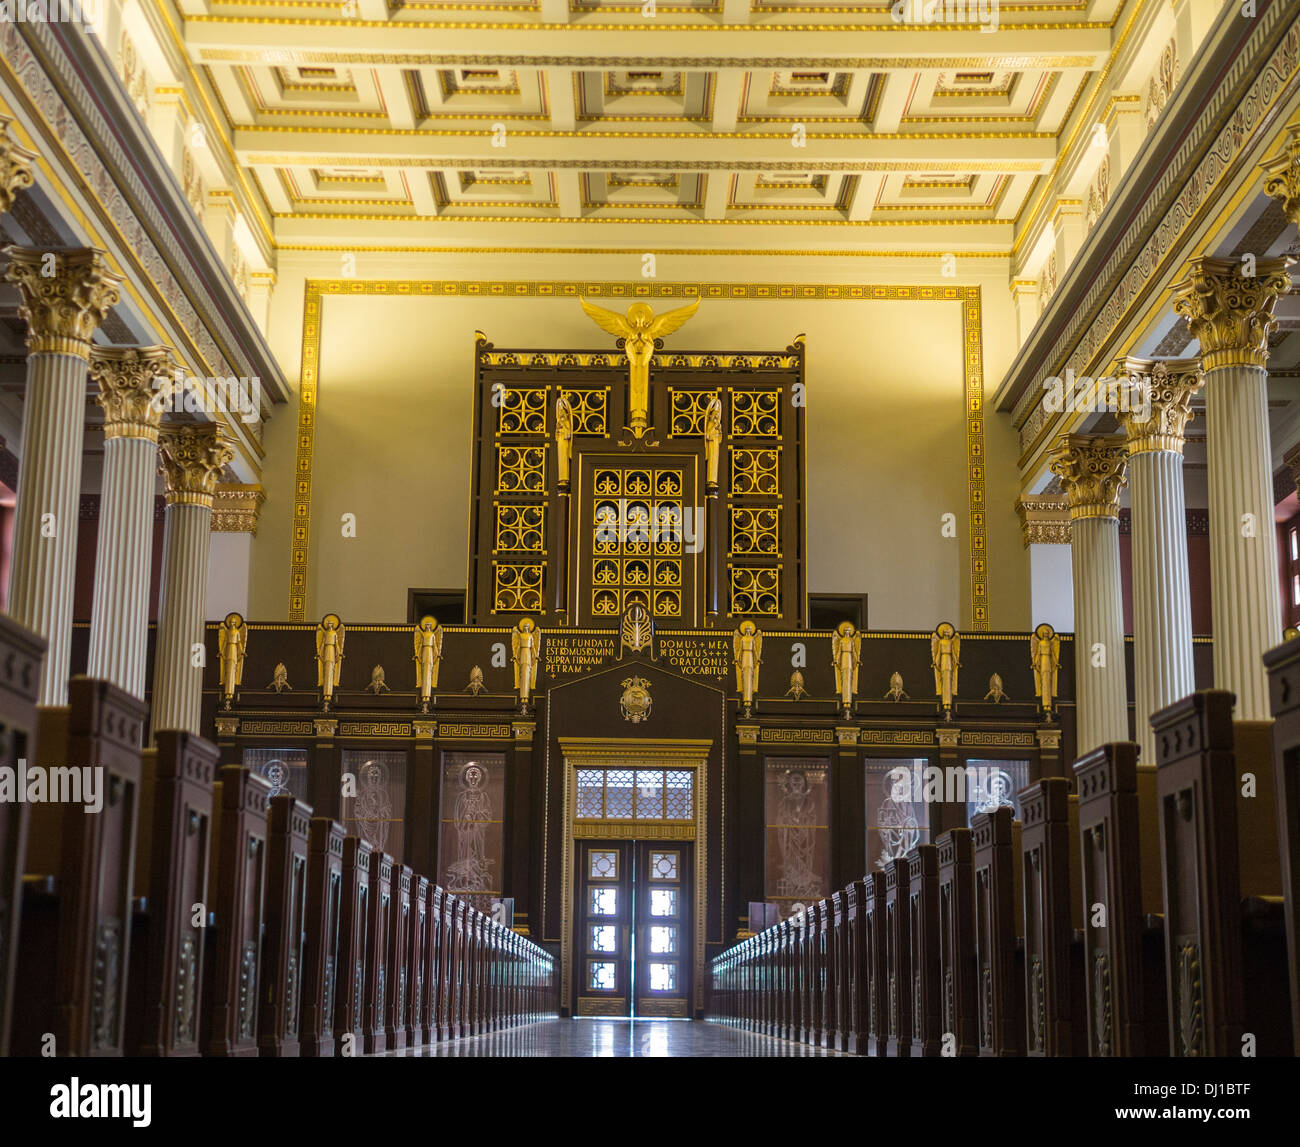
591, 1038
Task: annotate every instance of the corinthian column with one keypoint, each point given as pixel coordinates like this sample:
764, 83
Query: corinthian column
1092, 473
192, 460
1162, 605
1282, 176
1232, 316
119, 620
15, 166
65, 296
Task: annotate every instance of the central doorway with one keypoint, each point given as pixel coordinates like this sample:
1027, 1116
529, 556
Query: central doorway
634, 928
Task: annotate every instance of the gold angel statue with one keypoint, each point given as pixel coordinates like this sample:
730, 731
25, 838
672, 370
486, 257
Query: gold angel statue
329, 654
638, 331
563, 438
428, 656
846, 654
1045, 657
747, 646
526, 646
712, 439
945, 660
232, 641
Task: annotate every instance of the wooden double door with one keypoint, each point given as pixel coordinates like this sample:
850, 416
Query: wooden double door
635, 934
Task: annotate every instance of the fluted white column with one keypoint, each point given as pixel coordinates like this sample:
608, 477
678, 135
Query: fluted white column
1232, 314
65, 296
1155, 425
193, 458
119, 622
1092, 473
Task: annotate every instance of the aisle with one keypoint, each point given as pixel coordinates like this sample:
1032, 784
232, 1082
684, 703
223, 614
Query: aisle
592, 1038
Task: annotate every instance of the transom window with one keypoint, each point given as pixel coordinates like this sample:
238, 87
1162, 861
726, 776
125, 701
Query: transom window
636, 794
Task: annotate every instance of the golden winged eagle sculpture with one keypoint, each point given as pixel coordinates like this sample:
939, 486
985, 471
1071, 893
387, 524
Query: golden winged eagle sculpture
638, 330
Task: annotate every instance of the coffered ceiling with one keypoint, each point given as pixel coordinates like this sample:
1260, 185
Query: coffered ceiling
740, 122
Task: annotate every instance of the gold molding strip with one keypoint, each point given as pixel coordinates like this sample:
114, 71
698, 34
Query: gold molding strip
973, 389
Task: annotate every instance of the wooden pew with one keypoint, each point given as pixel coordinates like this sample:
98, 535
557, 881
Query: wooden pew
354, 946
399, 956
1284, 698
923, 923
279, 1021
433, 935
875, 962
322, 955
897, 963
782, 985
174, 856
1119, 862
1224, 985
816, 956
417, 961
999, 954
448, 1021
854, 1033
21, 652
837, 976
959, 1015
378, 971
1055, 1011
240, 880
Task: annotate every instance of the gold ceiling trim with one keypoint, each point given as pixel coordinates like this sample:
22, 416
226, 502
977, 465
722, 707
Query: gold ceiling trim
689, 220
315, 290
861, 135
1029, 166
765, 252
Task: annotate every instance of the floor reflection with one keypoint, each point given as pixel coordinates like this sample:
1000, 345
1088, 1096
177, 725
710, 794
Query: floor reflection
610, 1039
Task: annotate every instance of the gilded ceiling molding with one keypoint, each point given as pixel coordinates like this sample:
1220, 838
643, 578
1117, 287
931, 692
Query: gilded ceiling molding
1230, 313
1044, 520
236, 508
969, 297
127, 379
15, 166
1168, 388
1093, 470
66, 294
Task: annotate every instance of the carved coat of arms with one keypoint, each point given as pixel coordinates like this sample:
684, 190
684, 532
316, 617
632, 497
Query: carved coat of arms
636, 700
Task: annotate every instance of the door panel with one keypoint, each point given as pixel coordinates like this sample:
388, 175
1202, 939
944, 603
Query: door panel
603, 948
665, 921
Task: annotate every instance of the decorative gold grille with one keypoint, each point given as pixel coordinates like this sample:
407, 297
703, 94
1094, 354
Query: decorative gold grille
755, 413
589, 410
521, 469
522, 411
637, 542
755, 591
518, 587
520, 528
756, 530
755, 472
688, 407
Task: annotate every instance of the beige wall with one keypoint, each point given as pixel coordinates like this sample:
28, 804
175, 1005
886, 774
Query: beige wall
886, 428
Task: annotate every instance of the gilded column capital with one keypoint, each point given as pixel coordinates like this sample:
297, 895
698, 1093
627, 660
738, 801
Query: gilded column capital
1160, 404
192, 459
1231, 313
65, 293
1282, 176
1093, 470
127, 391
1044, 519
236, 508
15, 166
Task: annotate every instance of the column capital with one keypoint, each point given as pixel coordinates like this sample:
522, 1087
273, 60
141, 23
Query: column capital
127, 394
1093, 470
1282, 176
1168, 386
15, 166
66, 294
1229, 313
1044, 519
236, 508
193, 458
